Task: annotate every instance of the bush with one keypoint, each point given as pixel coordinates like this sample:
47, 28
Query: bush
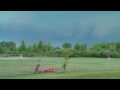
114, 54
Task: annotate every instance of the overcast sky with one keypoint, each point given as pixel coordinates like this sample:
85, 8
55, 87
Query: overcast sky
58, 27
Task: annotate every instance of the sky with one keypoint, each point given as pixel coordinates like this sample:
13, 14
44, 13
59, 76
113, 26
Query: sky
58, 27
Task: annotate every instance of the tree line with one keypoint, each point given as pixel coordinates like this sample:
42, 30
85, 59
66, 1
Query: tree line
100, 50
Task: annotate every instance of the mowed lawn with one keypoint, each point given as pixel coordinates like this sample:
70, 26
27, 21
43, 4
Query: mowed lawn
72, 75
77, 68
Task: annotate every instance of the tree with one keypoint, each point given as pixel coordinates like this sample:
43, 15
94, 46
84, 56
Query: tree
8, 47
17, 50
35, 48
96, 50
58, 50
75, 53
22, 47
48, 46
52, 50
104, 45
67, 54
4, 47
12, 46
40, 46
66, 45
29, 49
1, 50
114, 54
3, 44
107, 53
80, 47
112, 47
96, 47
85, 47
45, 48
77, 46
117, 46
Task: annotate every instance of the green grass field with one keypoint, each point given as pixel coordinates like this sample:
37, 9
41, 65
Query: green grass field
77, 68
72, 75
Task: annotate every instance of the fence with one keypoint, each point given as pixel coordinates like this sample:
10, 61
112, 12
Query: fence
31, 55
25, 66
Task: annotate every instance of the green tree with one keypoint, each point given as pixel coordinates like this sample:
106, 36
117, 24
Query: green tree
104, 45
58, 50
80, 47
4, 47
1, 50
117, 46
17, 50
114, 54
29, 49
40, 46
12, 46
85, 47
52, 50
45, 48
75, 53
66, 45
112, 47
22, 47
8, 47
95, 50
96, 47
77, 46
66, 56
35, 48
48, 46
107, 53
3, 44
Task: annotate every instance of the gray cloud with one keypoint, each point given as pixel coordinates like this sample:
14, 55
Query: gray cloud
103, 25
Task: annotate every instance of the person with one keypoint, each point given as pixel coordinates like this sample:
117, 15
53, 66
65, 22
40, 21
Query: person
36, 68
108, 57
40, 58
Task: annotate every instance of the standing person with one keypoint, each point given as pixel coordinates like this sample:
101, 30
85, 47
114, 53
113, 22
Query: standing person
108, 57
40, 58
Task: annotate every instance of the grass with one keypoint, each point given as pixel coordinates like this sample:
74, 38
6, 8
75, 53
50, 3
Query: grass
77, 68
72, 75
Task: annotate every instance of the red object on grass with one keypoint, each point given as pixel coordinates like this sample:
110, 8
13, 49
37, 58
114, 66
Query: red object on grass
48, 70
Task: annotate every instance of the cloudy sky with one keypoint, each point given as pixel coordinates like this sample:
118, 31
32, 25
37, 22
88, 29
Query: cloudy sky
58, 27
